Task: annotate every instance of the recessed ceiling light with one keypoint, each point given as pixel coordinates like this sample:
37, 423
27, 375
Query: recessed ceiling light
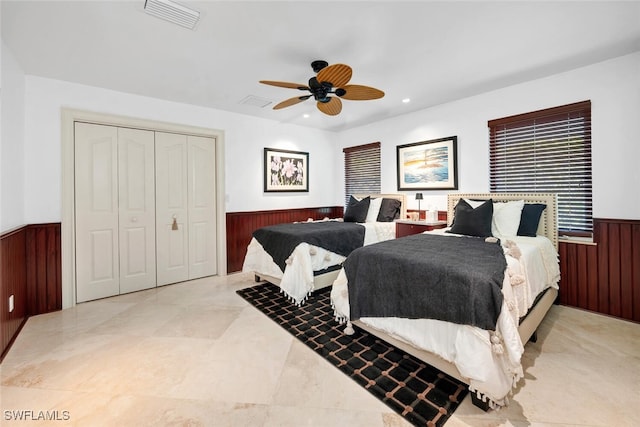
306, 116
406, 100
172, 12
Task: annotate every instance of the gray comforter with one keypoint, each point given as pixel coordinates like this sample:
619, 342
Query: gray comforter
280, 240
455, 279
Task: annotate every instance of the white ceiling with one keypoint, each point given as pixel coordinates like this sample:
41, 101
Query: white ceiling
431, 52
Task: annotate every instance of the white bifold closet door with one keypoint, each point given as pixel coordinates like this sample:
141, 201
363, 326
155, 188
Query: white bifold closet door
185, 207
115, 210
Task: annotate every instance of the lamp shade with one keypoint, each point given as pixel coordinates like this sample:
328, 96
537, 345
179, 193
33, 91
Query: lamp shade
418, 196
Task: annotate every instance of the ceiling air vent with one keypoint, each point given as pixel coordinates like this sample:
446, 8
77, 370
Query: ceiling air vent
172, 12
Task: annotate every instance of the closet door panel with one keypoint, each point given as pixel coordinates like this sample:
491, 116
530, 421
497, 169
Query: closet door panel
137, 219
201, 207
96, 211
171, 208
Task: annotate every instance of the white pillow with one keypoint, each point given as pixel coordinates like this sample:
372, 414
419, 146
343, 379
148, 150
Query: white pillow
506, 218
474, 203
374, 209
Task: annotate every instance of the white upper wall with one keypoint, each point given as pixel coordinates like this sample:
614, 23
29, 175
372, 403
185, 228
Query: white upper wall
245, 139
11, 141
31, 176
614, 90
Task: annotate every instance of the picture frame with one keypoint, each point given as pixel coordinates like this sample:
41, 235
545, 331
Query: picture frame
285, 171
428, 165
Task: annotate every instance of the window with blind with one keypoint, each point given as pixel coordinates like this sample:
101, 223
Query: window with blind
361, 169
547, 151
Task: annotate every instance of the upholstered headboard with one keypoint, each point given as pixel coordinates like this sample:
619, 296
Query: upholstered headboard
548, 225
401, 197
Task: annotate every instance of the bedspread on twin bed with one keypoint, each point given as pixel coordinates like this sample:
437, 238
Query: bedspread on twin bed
428, 276
280, 240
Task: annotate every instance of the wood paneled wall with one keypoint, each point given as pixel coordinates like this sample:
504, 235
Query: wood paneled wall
579, 275
32, 273
44, 269
605, 276
241, 225
618, 266
13, 282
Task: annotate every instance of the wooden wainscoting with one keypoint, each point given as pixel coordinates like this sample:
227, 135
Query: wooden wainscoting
31, 272
618, 266
241, 225
44, 268
579, 275
13, 282
604, 276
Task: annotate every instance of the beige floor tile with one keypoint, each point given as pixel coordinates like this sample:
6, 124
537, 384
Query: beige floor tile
195, 353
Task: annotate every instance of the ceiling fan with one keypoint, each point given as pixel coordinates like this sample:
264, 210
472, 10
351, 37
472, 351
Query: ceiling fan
330, 80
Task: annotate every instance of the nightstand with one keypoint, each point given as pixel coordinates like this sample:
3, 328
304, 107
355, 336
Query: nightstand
407, 228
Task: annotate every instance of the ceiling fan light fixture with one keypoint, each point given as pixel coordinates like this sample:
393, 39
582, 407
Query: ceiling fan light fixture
172, 12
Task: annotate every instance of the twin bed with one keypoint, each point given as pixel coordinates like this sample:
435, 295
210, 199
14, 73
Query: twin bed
307, 265
480, 338
464, 305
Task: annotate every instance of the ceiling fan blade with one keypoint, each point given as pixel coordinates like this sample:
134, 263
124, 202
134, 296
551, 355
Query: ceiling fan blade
361, 93
332, 108
285, 84
291, 101
338, 74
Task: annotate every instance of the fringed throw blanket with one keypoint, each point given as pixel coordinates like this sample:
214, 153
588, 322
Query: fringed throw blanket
280, 240
457, 280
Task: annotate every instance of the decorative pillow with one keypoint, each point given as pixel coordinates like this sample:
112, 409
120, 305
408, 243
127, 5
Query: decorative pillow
530, 218
389, 210
374, 210
470, 221
357, 210
506, 218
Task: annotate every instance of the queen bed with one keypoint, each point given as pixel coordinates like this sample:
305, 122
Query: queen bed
307, 256
464, 305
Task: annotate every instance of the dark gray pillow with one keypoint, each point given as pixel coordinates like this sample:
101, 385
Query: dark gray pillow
530, 218
470, 221
357, 209
389, 210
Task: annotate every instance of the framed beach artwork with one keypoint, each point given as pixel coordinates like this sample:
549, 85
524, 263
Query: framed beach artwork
285, 170
428, 165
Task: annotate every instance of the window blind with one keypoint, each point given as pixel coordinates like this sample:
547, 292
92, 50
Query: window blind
361, 169
547, 151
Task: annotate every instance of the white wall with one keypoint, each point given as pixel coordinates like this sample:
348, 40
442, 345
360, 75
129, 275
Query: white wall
612, 86
245, 138
11, 143
614, 90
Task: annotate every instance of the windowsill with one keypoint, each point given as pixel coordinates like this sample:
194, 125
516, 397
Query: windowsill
578, 240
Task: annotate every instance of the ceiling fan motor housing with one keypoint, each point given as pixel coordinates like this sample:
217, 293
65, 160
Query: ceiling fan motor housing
320, 90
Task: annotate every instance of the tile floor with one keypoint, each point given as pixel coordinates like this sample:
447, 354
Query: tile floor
195, 354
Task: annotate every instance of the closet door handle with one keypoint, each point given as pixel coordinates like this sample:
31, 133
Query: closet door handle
174, 225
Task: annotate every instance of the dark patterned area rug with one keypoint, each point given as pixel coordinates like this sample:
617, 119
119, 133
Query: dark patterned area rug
419, 392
